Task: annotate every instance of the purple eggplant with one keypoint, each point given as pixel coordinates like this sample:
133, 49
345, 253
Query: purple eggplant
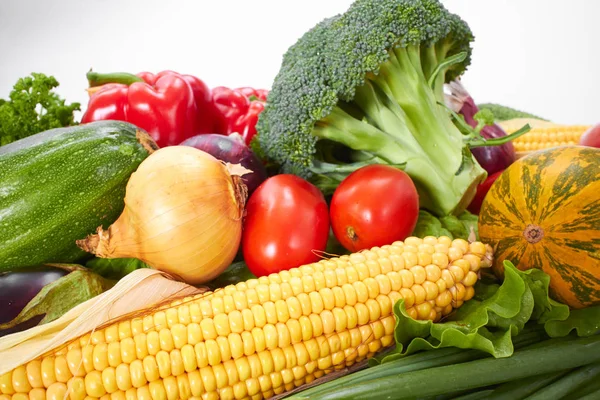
491, 158
231, 149
17, 289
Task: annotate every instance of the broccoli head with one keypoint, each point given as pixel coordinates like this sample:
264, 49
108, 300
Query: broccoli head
504, 113
365, 87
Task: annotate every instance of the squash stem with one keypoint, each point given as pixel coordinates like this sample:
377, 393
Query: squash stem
533, 233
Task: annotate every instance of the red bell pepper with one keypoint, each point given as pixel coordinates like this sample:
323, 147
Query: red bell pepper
238, 110
171, 107
482, 191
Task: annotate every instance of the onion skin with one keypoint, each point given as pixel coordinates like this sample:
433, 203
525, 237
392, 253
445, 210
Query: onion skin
231, 149
183, 215
491, 158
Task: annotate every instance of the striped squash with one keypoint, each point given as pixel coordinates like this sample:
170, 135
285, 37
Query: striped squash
544, 212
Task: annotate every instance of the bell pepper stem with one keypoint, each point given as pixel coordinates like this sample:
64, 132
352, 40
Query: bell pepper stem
99, 79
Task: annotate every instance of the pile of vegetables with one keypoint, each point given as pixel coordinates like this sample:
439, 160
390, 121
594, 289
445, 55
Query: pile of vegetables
361, 227
510, 341
367, 87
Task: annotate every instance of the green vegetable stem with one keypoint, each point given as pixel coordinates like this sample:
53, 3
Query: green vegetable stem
474, 374
415, 362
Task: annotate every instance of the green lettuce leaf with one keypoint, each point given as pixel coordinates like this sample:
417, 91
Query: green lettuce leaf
585, 322
429, 225
545, 309
450, 225
488, 322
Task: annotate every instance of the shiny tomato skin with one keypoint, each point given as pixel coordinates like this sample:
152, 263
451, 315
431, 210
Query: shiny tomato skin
374, 206
591, 137
286, 223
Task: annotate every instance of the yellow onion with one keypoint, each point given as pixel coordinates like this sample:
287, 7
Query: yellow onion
183, 215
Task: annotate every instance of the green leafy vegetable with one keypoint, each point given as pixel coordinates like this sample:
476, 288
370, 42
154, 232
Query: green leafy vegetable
488, 322
58, 297
585, 322
33, 107
450, 225
115, 268
503, 113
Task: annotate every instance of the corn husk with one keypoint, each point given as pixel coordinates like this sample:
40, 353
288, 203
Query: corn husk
141, 290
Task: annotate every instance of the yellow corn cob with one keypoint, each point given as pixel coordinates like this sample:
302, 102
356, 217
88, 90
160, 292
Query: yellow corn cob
261, 337
543, 134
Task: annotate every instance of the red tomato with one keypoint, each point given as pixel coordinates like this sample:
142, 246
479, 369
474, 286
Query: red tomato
374, 206
286, 221
482, 190
591, 137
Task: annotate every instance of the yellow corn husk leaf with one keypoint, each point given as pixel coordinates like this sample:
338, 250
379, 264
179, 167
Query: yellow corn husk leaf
140, 290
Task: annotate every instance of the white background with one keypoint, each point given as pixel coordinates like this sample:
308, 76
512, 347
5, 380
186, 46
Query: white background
542, 56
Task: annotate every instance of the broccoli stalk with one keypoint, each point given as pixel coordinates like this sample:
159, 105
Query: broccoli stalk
367, 87
404, 125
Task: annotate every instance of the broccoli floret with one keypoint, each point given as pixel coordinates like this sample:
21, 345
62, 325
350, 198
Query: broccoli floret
504, 113
365, 87
483, 118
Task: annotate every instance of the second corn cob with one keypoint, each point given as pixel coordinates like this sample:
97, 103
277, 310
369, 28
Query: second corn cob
263, 336
543, 134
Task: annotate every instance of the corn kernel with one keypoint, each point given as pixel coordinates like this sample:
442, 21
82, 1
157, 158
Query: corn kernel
123, 377
93, 384
419, 274
34, 374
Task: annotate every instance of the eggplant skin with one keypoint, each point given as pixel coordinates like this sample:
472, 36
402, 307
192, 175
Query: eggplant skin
17, 289
58, 186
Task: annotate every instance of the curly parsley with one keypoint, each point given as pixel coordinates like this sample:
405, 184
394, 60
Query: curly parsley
33, 107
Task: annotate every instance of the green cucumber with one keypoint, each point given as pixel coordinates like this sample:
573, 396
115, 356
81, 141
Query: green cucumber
60, 185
